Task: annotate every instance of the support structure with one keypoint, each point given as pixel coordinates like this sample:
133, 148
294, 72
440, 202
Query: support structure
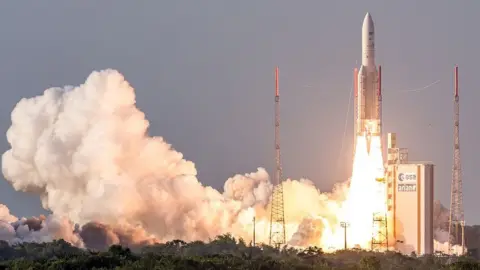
254, 225
457, 220
380, 232
395, 157
344, 225
277, 218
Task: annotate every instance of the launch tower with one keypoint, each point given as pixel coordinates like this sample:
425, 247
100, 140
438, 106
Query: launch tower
277, 218
457, 219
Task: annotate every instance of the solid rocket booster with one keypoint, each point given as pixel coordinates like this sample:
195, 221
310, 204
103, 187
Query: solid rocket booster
368, 93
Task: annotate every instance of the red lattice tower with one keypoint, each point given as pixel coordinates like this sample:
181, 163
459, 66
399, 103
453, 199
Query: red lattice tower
457, 220
277, 218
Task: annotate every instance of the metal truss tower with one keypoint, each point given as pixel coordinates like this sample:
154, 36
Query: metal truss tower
380, 231
277, 218
457, 219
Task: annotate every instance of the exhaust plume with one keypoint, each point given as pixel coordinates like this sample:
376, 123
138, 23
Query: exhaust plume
86, 152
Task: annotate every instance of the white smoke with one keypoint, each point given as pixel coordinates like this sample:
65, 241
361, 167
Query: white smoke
86, 152
41, 229
440, 230
5, 214
250, 189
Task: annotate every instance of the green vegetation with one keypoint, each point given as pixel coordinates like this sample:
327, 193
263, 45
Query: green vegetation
224, 252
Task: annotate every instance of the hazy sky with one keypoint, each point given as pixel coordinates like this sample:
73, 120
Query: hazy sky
203, 72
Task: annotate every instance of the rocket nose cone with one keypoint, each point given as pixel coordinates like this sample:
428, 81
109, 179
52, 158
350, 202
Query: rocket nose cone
368, 21
368, 17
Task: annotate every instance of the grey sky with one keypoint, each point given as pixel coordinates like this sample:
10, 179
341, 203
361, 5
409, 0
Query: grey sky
203, 71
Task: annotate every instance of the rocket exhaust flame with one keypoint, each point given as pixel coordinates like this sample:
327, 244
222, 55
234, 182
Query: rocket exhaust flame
366, 196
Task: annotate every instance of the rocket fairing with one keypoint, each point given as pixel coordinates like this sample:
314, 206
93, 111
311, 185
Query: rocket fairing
368, 93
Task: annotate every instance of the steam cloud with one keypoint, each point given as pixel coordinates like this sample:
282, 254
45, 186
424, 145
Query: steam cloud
85, 151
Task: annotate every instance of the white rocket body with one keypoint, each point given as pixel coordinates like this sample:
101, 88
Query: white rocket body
368, 87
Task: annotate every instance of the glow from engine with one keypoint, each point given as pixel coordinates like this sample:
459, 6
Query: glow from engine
366, 196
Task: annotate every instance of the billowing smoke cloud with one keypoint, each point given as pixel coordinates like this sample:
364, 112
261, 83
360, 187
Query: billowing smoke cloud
36, 229
440, 226
309, 231
440, 229
99, 236
5, 214
86, 152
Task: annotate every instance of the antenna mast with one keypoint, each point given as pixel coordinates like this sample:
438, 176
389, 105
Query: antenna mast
277, 219
456, 224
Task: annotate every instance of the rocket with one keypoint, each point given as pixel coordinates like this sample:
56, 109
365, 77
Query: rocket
367, 84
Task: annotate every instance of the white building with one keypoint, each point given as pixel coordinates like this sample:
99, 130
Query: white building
410, 191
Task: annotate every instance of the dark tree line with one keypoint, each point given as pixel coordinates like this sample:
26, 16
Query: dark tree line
224, 252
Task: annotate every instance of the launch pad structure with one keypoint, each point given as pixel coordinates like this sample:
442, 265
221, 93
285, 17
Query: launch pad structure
410, 201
